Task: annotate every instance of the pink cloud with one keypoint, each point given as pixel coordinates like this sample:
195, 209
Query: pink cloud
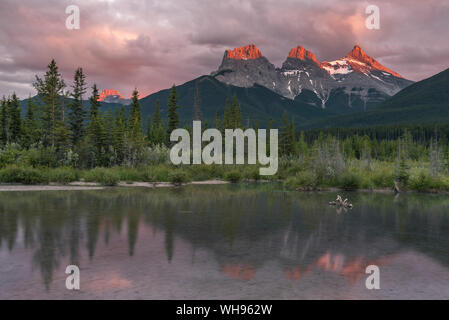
153, 44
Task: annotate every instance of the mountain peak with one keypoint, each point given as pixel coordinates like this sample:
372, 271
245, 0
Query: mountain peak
243, 53
301, 53
109, 92
359, 55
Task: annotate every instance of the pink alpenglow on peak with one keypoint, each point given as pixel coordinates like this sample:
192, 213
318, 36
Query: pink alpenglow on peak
368, 63
301, 53
109, 92
244, 53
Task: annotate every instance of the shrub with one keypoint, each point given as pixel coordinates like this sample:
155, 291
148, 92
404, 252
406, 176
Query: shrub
63, 175
425, 182
106, 177
233, 176
252, 173
178, 177
129, 174
382, 178
349, 181
304, 180
25, 175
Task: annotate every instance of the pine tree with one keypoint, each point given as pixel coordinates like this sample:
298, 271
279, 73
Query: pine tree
135, 117
149, 137
287, 136
227, 122
118, 134
236, 117
4, 122
15, 119
135, 141
173, 119
77, 114
217, 121
50, 88
30, 126
196, 103
158, 132
94, 102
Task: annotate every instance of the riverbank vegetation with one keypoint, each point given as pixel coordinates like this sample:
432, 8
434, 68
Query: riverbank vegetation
60, 139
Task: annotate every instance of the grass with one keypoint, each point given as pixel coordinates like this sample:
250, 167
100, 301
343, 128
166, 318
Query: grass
305, 176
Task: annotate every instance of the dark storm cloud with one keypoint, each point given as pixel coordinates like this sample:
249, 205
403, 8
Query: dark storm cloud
124, 44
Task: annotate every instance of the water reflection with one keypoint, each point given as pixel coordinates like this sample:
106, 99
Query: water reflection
145, 243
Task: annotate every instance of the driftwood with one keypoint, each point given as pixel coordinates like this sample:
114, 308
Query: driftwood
396, 187
339, 202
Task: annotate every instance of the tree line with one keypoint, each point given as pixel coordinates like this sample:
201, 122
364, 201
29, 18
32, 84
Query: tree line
59, 129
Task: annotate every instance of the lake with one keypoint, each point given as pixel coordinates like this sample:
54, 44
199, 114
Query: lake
250, 241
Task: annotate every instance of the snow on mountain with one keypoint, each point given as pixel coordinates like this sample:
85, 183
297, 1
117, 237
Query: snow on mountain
356, 78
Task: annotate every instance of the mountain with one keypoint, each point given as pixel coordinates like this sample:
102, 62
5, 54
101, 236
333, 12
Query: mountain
353, 83
426, 101
113, 96
258, 104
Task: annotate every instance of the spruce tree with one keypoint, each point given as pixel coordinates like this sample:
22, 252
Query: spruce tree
217, 121
196, 103
15, 119
4, 122
158, 132
30, 126
149, 137
118, 134
135, 117
50, 88
94, 102
227, 122
236, 117
173, 119
77, 112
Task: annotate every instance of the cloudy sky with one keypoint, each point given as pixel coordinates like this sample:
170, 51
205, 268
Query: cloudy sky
151, 44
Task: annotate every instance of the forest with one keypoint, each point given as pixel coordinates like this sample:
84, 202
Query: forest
59, 138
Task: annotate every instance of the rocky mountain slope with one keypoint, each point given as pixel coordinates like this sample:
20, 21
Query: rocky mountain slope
352, 83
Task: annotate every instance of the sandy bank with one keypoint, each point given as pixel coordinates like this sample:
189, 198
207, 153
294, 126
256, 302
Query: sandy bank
46, 188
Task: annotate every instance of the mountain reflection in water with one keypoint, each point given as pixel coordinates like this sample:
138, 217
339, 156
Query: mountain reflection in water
225, 241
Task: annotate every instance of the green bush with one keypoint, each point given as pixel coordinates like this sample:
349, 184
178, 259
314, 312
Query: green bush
233, 176
63, 175
106, 177
129, 174
304, 180
425, 182
349, 181
382, 178
178, 177
25, 175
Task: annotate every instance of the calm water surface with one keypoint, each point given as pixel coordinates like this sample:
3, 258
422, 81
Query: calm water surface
222, 242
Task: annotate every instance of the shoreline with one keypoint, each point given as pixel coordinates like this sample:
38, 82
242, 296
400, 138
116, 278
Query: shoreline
81, 185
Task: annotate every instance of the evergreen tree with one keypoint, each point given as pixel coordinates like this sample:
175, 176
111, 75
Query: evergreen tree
15, 123
227, 122
94, 102
135, 117
287, 136
77, 114
149, 137
4, 122
118, 134
217, 121
30, 126
173, 119
236, 117
158, 132
50, 88
196, 103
